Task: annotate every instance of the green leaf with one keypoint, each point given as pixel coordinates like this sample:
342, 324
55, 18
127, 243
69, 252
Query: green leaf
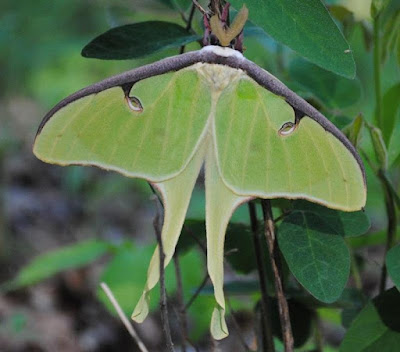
307, 28
330, 90
377, 327
343, 223
126, 274
393, 264
391, 34
355, 303
373, 239
316, 255
127, 287
380, 149
300, 318
239, 247
236, 288
394, 145
377, 6
398, 50
349, 299
354, 131
391, 104
53, 262
193, 233
176, 4
137, 40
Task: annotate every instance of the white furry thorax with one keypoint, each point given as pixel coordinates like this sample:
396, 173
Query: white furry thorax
219, 76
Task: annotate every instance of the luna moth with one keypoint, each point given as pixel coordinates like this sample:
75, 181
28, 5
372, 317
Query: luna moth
163, 121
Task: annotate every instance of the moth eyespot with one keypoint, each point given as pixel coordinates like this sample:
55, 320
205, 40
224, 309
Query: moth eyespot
287, 128
134, 104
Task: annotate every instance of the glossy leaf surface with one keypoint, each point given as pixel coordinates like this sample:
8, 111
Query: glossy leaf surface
330, 90
346, 224
307, 28
316, 255
377, 327
136, 40
53, 262
393, 264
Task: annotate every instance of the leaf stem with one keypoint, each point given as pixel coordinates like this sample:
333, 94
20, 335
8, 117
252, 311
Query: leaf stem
319, 340
237, 326
267, 338
390, 204
188, 24
355, 270
391, 227
163, 292
377, 71
181, 305
269, 231
199, 289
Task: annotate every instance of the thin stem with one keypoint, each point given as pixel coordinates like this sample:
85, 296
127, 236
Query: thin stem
123, 317
269, 231
355, 271
377, 71
237, 327
188, 25
199, 7
282, 216
181, 308
391, 216
319, 340
391, 229
267, 338
163, 292
193, 298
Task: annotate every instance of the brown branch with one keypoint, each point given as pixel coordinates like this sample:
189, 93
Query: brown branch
163, 293
197, 292
237, 327
188, 25
318, 337
199, 7
269, 231
267, 338
181, 306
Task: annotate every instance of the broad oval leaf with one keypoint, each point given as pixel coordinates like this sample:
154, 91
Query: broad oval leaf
377, 327
53, 262
301, 318
128, 287
316, 255
377, 6
329, 89
307, 28
391, 109
136, 40
393, 264
347, 224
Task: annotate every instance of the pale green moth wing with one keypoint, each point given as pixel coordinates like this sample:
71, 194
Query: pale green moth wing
162, 121
265, 151
150, 130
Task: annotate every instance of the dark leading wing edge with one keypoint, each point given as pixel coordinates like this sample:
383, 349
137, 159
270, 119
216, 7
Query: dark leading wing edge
222, 56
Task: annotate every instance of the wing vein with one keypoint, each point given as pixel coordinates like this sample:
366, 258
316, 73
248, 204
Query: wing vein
342, 170
328, 180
